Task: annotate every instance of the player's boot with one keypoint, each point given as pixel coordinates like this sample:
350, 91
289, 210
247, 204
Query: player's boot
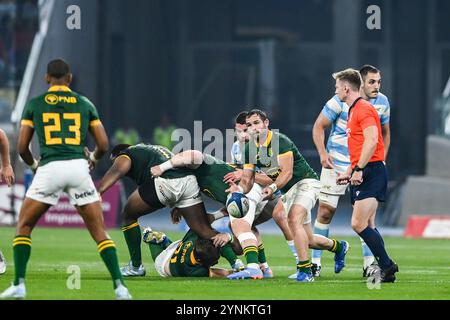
388, 275
305, 277
315, 268
267, 273
371, 270
2, 263
247, 273
238, 265
122, 293
130, 271
339, 257
14, 292
153, 237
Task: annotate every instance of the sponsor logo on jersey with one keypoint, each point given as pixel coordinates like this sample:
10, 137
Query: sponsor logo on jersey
53, 99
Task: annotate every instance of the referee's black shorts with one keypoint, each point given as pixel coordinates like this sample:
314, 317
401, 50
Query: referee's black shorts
374, 183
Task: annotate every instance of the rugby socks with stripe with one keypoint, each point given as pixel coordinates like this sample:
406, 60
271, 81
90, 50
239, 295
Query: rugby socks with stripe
22, 252
251, 256
337, 246
304, 266
376, 245
132, 234
262, 257
323, 230
107, 250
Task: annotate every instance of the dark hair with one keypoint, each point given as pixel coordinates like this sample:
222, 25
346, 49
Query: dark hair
351, 76
118, 149
240, 118
58, 68
206, 253
259, 113
365, 69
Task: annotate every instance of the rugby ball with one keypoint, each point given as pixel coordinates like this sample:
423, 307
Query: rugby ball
237, 205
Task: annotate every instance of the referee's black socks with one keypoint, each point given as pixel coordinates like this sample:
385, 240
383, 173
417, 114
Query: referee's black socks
376, 244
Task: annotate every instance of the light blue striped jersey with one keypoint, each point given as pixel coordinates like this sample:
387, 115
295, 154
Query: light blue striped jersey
337, 112
236, 154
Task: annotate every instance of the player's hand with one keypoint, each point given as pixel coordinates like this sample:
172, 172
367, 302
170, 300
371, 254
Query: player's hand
90, 157
156, 171
175, 216
357, 178
7, 174
343, 178
233, 188
221, 239
267, 193
326, 161
233, 176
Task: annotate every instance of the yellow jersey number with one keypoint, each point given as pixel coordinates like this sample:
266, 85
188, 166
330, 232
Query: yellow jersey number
52, 123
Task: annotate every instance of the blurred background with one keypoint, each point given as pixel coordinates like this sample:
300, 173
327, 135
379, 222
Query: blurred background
154, 65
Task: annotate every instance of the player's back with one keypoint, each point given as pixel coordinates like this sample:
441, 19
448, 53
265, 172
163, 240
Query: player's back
61, 119
210, 177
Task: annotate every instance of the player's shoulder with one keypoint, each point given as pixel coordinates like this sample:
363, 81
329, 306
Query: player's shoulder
382, 99
83, 99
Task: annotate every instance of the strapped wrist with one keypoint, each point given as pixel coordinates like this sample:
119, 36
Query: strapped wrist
166, 166
273, 187
35, 165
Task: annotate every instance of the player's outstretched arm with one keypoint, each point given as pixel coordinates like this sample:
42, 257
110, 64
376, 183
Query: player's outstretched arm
191, 159
120, 168
6, 171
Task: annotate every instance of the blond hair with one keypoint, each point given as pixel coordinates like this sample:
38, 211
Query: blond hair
351, 76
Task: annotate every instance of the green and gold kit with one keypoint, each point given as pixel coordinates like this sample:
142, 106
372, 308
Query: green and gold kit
61, 119
265, 157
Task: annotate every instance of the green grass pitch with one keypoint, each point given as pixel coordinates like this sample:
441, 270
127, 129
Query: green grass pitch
424, 272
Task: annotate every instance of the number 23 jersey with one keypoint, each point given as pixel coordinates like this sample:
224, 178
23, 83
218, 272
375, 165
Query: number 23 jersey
61, 119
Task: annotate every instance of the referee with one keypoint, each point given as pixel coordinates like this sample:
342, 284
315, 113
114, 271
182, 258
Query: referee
367, 173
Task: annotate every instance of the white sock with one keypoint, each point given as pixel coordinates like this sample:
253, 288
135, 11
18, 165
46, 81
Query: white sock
265, 265
293, 249
253, 266
368, 261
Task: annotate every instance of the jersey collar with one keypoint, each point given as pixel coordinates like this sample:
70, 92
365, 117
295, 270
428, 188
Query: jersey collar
59, 88
268, 139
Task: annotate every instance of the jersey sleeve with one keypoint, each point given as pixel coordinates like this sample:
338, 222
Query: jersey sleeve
332, 109
94, 119
286, 147
27, 115
385, 116
249, 163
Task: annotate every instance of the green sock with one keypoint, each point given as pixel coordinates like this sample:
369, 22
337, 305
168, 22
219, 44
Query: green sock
227, 252
22, 251
132, 234
337, 246
261, 254
107, 250
156, 249
251, 254
304, 266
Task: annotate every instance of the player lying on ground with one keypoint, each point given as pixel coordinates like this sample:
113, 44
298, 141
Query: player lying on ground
191, 256
177, 188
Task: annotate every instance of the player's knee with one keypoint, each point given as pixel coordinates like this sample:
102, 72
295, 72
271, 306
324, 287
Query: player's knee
358, 225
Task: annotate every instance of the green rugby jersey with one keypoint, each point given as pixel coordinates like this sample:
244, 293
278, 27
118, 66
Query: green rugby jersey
183, 263
266, 156
61, 119
144, 156
210, 177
